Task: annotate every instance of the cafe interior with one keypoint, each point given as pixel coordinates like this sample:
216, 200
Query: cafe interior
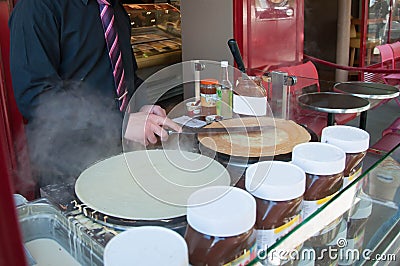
308, 80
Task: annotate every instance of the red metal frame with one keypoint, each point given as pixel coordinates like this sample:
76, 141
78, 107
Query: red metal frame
17, 149
14, 164
238, 21
363, 31
11, 251
269, 38
390, 20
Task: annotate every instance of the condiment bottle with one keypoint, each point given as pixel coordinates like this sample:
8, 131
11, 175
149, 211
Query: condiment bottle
323, 164
278, 188
354, 142
225, 92
220, 226
208, 96
249, 97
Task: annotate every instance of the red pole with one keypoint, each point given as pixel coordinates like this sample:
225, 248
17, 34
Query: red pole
16, 140
363, 35
11, 251
11, 248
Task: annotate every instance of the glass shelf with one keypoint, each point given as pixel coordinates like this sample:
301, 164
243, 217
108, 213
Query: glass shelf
369, 222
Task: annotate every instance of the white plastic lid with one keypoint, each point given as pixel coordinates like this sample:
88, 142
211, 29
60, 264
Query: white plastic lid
146, 245
221, 211
350, 139
319, 158
224, 63
275, 180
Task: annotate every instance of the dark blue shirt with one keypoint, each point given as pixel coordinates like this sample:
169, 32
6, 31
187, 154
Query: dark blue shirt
58, 42
63, 84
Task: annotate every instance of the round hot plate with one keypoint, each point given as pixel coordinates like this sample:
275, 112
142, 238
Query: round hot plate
278, 136
147, 184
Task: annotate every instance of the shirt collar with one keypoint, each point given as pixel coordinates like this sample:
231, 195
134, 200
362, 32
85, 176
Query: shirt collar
85, 1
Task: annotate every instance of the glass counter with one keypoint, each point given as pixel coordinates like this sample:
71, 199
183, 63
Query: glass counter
359, 224
349, 230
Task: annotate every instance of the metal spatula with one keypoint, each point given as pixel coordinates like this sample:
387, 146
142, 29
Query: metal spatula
219, 130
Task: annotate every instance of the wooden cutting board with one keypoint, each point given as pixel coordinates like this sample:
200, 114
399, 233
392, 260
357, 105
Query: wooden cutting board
280, 138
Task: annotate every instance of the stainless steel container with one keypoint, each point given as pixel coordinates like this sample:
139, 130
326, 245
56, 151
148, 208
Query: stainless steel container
41, 220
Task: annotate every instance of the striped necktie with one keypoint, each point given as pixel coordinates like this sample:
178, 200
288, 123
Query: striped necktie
111, 37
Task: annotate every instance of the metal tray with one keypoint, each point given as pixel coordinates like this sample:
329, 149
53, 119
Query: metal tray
41, 219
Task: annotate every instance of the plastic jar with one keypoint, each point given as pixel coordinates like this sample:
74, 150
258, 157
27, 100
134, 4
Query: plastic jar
249, 97
146, 245
193, 109
278, 188
323, 164
208, 96
221, 226
354, 142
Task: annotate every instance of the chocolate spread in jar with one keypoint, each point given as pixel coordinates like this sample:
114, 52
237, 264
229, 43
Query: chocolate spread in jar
322, 186
354, 142
221, 226
273, 214
353, 167
278, 188
213, 250
323, 164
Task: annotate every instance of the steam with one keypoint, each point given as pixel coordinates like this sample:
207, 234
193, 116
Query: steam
73, 126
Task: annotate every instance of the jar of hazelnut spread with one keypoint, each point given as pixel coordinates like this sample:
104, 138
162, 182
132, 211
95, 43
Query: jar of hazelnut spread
354, 142
220, 226
278, 188
323, 164
208, 96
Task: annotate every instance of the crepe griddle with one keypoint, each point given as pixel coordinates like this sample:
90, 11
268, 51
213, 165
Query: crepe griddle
108, 193
121, 224
286, 157
226, 147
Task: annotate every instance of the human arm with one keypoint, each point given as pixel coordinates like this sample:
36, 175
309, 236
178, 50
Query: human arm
144, 127
153, 109
34, 53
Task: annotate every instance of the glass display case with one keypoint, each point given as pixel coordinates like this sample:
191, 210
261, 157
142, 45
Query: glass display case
358, 224
366, 226
156, 34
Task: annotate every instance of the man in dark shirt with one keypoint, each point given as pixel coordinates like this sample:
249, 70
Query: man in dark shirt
64, 86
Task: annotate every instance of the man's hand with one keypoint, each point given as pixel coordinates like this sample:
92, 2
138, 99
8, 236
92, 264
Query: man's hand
143, 127
153, 109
